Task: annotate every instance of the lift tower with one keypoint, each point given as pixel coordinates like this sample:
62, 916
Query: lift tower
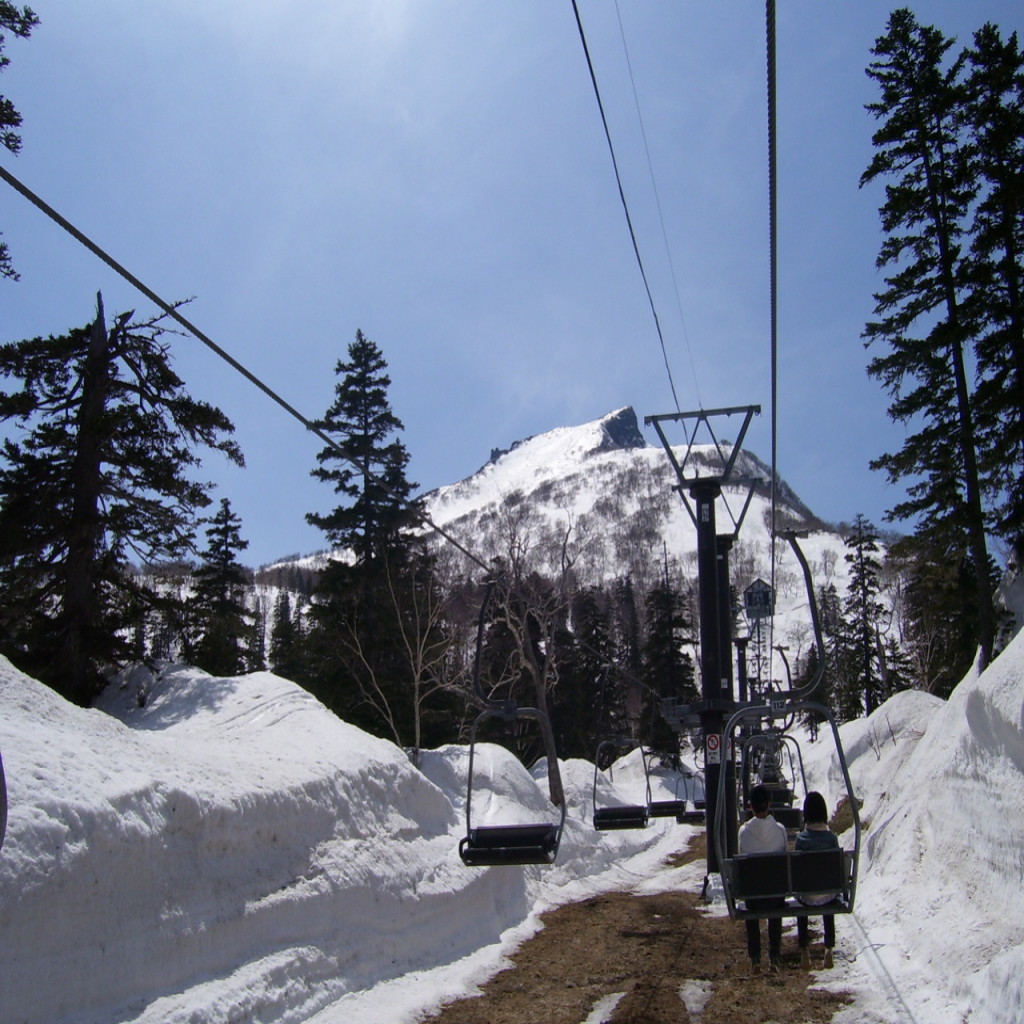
717, 702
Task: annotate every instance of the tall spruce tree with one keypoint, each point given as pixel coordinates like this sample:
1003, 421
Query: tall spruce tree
588, 704
940, 626
105, 439
357, 667
667, 667
932, 185
840, 691
628, 640
221, 619
286, 639
20, 21
368, 466
864, 612
994, 115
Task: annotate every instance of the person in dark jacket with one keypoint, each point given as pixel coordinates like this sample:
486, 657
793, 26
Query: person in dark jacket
816, 836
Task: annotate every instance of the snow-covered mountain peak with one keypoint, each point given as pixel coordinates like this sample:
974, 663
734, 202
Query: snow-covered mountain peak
601, 496
565, 447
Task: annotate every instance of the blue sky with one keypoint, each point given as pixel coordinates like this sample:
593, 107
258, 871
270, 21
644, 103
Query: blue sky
434, 172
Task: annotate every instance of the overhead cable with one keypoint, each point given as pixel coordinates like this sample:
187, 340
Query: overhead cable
173, 313
625, 205
657, 203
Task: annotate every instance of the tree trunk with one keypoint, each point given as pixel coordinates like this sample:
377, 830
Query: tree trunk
556, 792
79, 615
975, 523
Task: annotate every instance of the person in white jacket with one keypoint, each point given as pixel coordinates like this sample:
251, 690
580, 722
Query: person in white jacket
763, 834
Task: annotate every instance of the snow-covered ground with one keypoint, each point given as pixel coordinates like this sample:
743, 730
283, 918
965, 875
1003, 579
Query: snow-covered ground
203, 850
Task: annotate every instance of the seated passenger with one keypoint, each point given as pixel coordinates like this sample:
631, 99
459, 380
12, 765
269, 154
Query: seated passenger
763, 834
816, 836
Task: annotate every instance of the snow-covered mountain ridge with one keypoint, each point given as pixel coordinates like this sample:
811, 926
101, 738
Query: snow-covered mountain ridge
600, 491
580, 467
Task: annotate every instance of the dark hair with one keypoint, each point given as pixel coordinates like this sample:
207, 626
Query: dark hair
760, 799
815, 811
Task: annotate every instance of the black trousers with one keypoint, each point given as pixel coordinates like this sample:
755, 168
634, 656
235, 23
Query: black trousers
754, 930
803, 931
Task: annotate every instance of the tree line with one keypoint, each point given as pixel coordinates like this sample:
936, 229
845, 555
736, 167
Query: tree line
100, 515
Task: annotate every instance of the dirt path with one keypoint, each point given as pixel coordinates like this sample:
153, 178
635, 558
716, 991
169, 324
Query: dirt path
652, 952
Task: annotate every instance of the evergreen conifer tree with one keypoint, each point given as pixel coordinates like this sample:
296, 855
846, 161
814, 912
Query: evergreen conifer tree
994, 115
368, 466
367, 595
627, 637
843, 694
864, 612
222, 619
668, 669
20, 21
919, 146
588, 704
626, 630
940, 618
98, 465
286, 639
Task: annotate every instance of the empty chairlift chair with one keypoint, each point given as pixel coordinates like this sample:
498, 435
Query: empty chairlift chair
619, 816
519, 843
695, 807
514, 843
674, 808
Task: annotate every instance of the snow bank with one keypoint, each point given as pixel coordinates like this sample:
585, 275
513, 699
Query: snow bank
208, 849
204, 850
940, 887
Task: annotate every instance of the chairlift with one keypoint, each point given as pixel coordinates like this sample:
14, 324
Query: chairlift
677, 806
697, 815
761, 757
668, 808
619, 816
487, 845
788, 878
519, 843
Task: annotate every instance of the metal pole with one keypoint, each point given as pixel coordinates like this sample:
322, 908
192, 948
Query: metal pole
741, 666
704, 494
723, 545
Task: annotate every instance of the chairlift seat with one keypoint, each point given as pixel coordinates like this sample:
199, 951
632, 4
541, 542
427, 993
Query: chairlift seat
666, 808
509, 844
783, 878
620, 817
695, 817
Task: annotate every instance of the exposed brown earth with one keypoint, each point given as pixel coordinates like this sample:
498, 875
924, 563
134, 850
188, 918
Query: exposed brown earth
649, 948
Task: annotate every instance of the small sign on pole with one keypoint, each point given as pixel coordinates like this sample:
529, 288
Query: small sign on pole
713, 748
